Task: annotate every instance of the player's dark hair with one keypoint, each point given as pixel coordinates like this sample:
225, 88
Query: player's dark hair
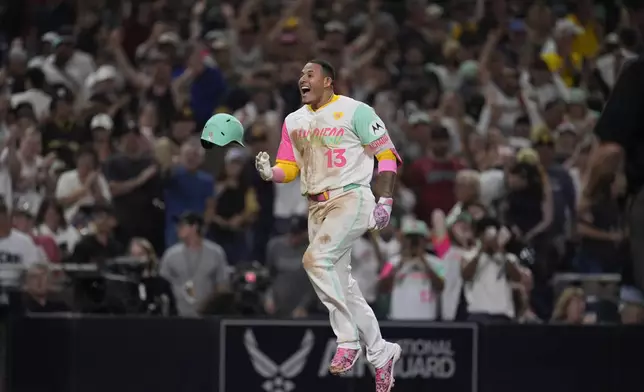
327, 68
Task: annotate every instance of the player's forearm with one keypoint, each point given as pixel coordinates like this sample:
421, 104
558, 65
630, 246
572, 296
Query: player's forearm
385, 184
387, 169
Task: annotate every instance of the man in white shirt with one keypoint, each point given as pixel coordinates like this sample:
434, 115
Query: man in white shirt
415, 277
9, 168
34, 94
487, 271
47, 42
82, 186
17, 250
621, 50
67, 65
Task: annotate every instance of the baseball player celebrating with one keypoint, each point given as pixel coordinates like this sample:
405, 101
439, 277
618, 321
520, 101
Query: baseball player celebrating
331, 142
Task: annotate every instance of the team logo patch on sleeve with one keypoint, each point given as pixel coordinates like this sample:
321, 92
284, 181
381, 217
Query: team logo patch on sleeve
377, 127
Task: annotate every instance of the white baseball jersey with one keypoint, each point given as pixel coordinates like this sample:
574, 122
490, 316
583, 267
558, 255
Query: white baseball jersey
335, 145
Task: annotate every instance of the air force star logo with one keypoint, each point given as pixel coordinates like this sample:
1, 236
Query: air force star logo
278, 377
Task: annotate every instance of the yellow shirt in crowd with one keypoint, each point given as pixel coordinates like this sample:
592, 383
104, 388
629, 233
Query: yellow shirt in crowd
555, 63
587, 43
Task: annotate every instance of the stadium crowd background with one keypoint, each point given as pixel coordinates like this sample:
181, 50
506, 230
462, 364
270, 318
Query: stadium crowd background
491, 104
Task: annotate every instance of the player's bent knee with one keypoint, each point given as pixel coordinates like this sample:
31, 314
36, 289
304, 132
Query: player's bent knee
314, 259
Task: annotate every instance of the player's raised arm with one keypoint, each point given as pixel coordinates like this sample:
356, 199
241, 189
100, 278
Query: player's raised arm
285, 169
374, 136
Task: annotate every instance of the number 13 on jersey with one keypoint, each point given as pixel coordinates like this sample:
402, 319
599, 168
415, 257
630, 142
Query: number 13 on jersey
335, 157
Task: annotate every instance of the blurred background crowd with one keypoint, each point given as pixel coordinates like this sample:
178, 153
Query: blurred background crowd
111, 205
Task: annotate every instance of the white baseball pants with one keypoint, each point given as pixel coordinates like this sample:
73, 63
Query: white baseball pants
334, 225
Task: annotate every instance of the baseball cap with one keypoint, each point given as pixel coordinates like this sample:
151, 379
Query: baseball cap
612, 39
335, 26
291, 23
170, 38
417, 118
464, 217
61, 93
217, 39
469, 70
527, 155
631, 295
102, 120
414, 227
221, 130
189, 218
566, 127
542, 136
23, 209
434, 11
577, 96
50, 37
565, 27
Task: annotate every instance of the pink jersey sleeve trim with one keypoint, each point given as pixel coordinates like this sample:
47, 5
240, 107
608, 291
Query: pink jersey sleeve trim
285, 150
278, 174
387, 166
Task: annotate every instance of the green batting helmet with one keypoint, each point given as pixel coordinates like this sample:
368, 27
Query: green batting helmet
222, 129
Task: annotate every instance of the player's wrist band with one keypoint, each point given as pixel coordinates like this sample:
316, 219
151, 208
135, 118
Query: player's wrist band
387, 166
388, 201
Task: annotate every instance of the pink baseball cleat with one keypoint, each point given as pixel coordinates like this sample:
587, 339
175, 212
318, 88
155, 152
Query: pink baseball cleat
343, 360
385, 374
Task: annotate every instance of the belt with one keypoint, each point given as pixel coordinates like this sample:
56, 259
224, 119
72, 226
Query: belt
326, 195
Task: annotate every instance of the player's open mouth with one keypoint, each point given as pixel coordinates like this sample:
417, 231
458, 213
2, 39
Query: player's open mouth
304, 90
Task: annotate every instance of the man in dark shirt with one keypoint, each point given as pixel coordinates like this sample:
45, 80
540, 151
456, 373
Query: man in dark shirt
621, 124
100, 245
432, 177
36, 292
563, 190
137, 190
90, 290
61, 134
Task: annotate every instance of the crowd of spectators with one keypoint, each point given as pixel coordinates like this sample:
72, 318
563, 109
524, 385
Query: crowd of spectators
491, 103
